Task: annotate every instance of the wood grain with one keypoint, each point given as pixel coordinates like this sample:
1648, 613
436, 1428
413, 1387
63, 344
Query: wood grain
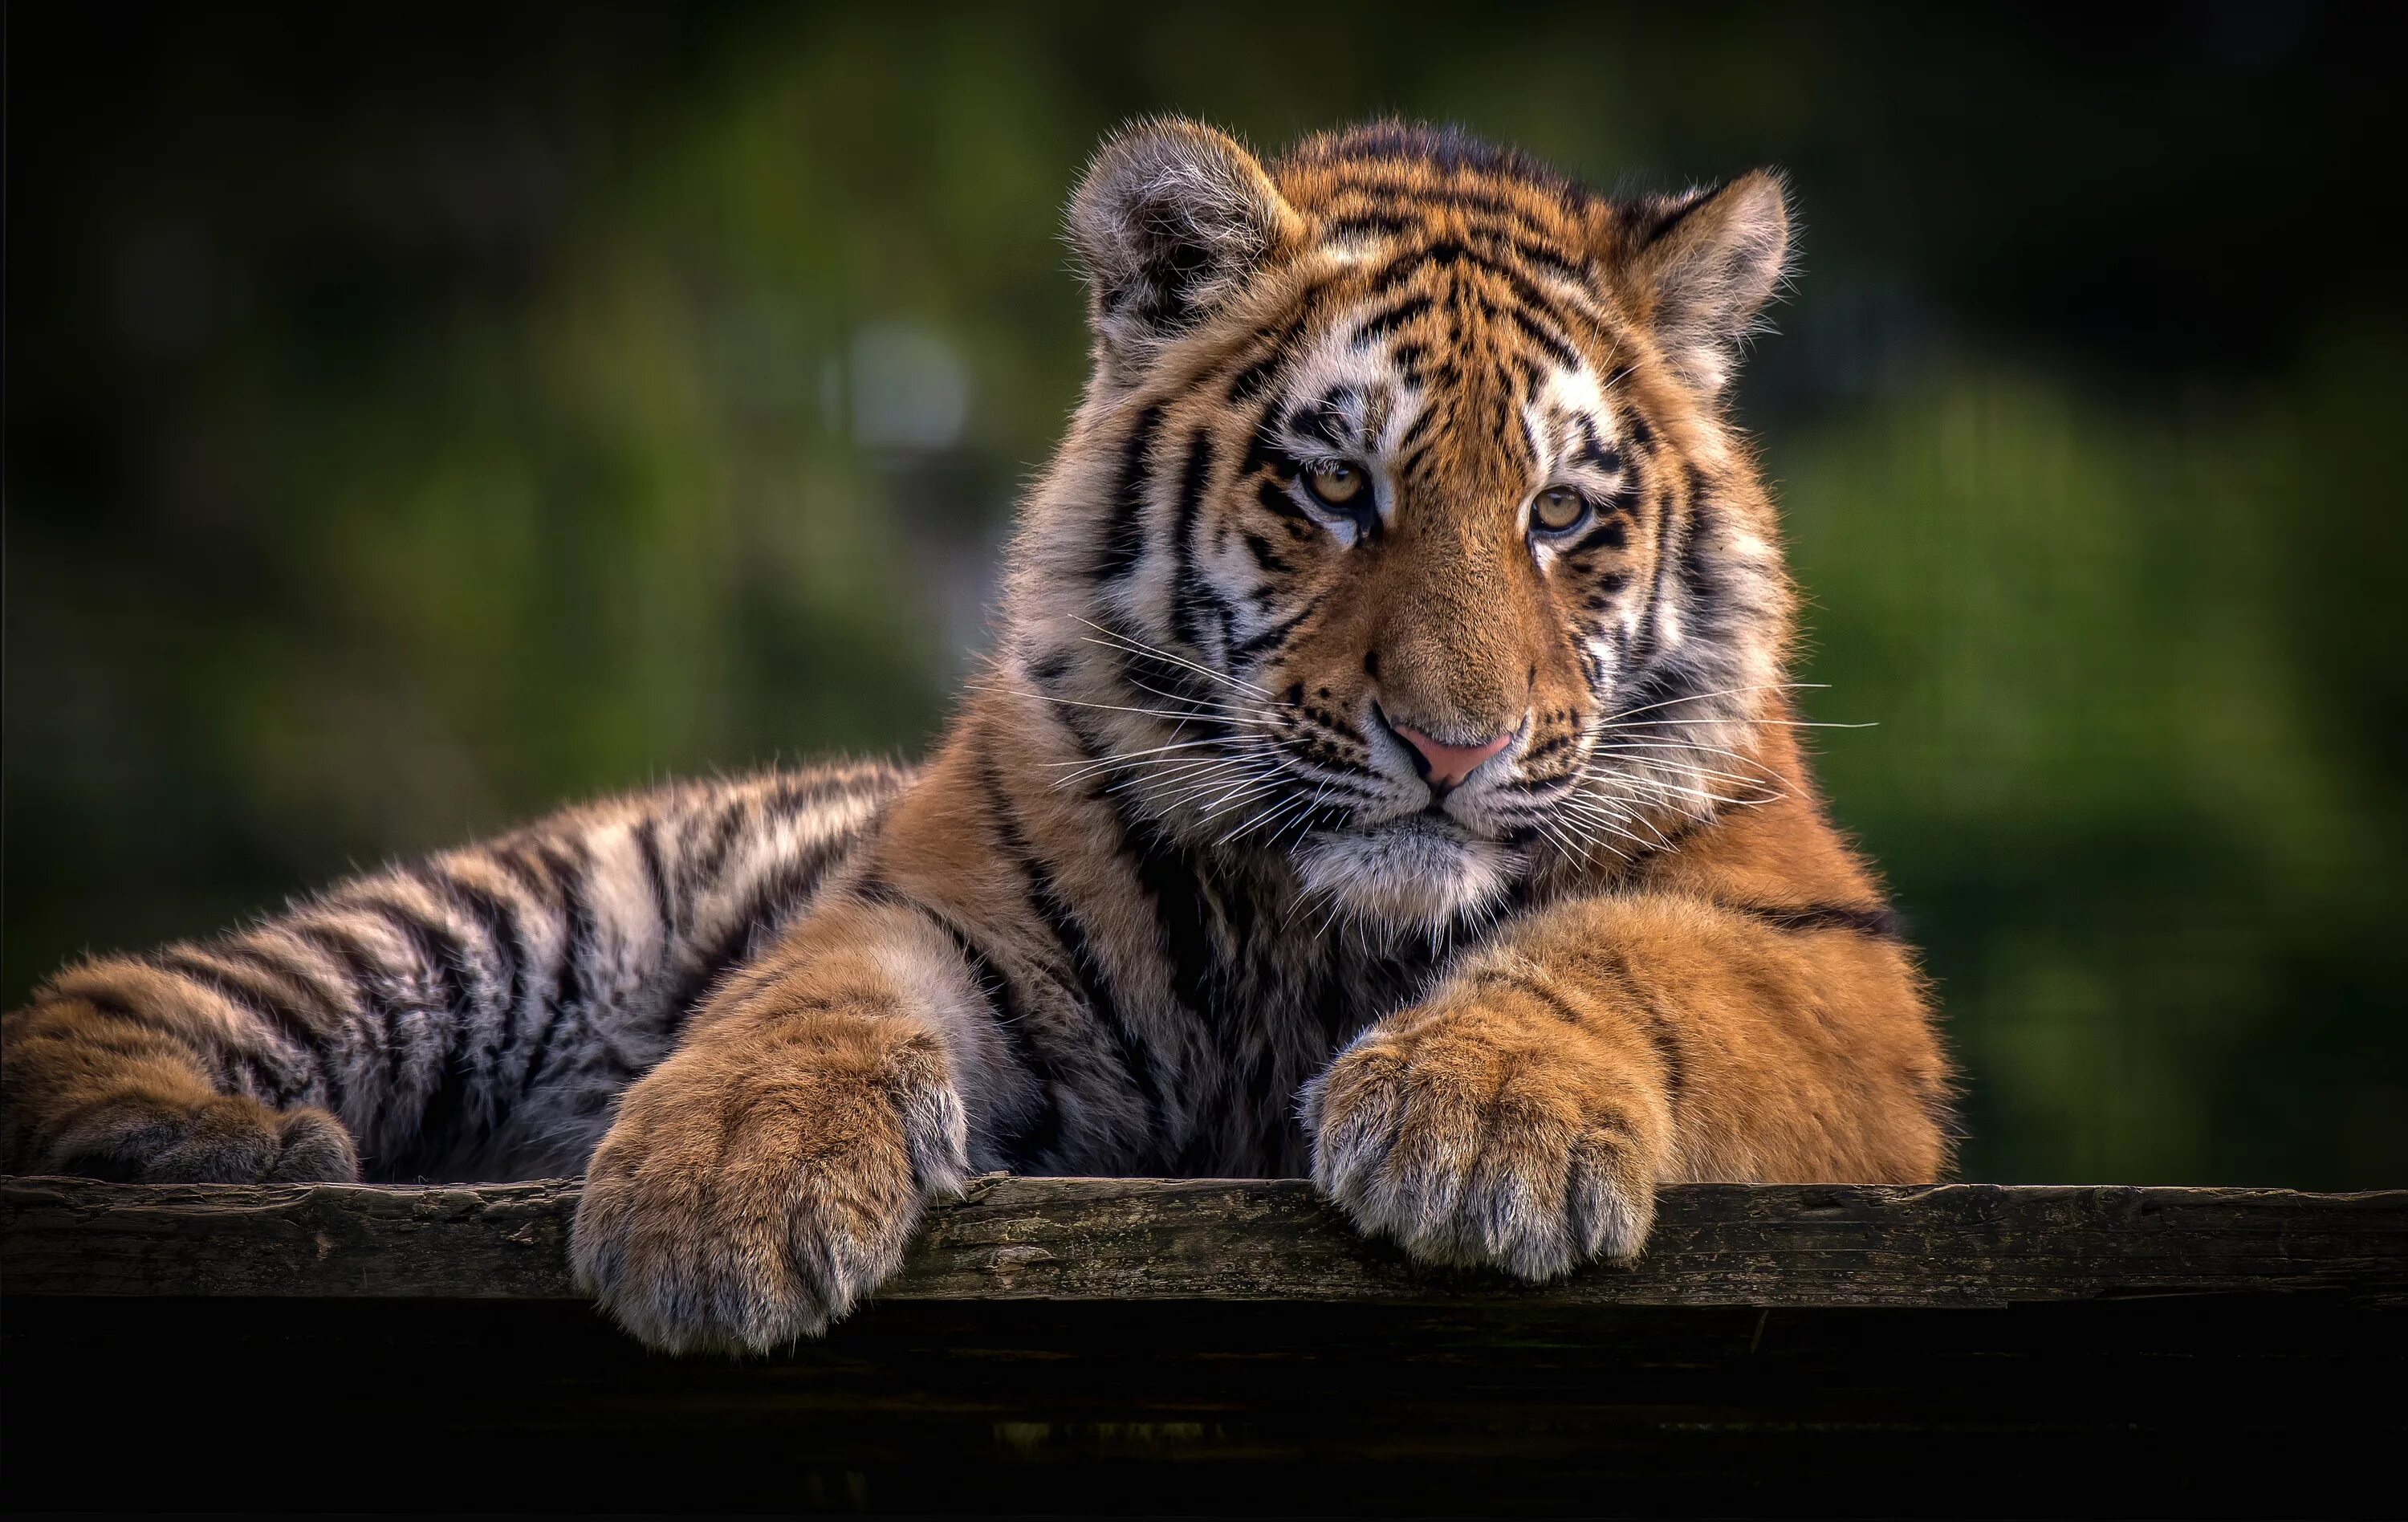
1119, 1239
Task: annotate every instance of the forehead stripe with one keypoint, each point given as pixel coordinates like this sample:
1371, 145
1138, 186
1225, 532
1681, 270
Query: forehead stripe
1389, 195
1381, 222
1410, 261
1250, 382
1448, 251
1383, 323
1557, 349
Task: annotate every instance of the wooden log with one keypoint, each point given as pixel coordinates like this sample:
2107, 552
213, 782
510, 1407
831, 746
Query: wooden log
1119, 1346
1137, 1239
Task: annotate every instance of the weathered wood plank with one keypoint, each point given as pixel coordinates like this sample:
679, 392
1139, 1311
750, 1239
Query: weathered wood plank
1251, 1240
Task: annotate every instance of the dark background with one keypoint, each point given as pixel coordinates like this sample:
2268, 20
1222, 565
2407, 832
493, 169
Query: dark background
417, 420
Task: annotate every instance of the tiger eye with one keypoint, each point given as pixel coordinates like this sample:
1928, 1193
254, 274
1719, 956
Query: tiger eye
1558, 508
1336, 484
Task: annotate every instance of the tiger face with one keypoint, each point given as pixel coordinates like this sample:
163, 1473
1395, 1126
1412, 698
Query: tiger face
1400, 537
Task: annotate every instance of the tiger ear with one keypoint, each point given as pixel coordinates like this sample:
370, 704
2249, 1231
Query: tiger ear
1702, 265
1169, 221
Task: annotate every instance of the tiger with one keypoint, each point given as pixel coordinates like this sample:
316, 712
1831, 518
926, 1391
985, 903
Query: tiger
1385, 771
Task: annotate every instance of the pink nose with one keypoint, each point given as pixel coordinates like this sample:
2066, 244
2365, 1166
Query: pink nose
1446, 766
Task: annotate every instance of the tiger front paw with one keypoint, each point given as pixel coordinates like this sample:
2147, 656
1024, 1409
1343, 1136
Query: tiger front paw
1487, 1130
749, 1195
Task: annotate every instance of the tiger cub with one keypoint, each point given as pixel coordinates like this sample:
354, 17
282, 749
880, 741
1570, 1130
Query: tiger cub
1384, 773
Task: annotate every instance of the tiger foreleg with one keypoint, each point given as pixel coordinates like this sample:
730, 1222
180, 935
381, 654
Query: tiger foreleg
1475, 1127
768, 1176
1523, 1115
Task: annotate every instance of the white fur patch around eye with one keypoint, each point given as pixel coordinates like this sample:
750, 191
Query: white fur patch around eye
1568, 405
1368, 389
1566, 411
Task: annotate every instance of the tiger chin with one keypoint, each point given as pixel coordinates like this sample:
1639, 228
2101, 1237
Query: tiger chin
1384, 774
1412, 871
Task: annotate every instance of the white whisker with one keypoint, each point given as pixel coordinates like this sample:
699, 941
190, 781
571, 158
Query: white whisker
1117, 757
1115, 640
1783, 724
1149, 712
1719, 692
1202, 707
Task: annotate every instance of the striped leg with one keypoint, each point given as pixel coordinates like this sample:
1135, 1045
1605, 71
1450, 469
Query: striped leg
766, 1178
1524, 1111
475, 1014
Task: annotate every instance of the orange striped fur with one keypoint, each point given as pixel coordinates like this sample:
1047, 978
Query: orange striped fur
1384, 774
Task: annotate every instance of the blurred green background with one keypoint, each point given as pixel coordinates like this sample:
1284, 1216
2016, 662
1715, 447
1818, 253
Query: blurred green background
416, 420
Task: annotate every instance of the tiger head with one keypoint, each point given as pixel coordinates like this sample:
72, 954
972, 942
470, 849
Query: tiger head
1400, 535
